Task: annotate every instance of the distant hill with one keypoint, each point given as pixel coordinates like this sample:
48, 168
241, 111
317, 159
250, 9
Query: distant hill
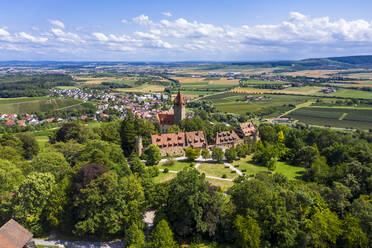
331, 63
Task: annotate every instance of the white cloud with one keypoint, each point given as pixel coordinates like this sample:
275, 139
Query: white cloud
142, 20
124, 21
101, 37
66, 36
31, 38
166, 14
5, 35
57, 23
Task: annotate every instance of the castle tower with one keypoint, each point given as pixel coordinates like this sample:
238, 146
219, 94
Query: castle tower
139, 145
179, 108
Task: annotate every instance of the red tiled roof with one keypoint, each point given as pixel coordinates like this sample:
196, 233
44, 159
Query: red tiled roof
196, 139
13, 235
226, 137
179, 99
166, 119
248, 129
168, 140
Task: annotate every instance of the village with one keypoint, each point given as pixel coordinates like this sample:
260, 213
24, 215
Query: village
142, 105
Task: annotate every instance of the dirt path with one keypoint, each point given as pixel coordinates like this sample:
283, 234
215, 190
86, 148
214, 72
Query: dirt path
71, 106
305, 104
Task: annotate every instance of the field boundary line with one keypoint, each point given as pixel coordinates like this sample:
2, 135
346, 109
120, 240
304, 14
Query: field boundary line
342, 116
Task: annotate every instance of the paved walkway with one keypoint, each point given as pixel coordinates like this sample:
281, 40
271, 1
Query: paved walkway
234, 169
80, 244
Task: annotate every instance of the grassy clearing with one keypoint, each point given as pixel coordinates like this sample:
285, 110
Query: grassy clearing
177, 166
216, 170
290, 171
224, 185
38, 105
164, 177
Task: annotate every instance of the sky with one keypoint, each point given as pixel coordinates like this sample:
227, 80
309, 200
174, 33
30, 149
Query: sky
192, 30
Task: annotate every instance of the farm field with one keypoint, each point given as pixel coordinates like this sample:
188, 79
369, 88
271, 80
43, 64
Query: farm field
144, 88
216, 170
227, 102
334, 117
348, 93
290, 171
22, 99
44, 105
255, 82
67, 87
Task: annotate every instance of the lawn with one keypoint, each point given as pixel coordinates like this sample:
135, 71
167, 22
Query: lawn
178, 165
164, 177
42, 140
292, 172
223, 184
216, 170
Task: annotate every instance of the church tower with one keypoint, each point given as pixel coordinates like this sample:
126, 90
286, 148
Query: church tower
179, 108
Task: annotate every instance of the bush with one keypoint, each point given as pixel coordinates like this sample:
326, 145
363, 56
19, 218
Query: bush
192, 164
169, 163
226, 167
224, 176
233, 171
166, 170
244, 170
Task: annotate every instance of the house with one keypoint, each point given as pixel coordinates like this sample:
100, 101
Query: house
247, 131
170, 143
13, 235
226, 139
196, 139
175, 143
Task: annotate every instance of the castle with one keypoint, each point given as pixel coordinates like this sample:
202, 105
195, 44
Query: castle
174, 117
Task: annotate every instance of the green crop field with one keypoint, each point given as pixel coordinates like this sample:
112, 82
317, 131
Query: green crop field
334, 117
255, 82
30, 106
227, 102
22, 99
67, 87
348, 93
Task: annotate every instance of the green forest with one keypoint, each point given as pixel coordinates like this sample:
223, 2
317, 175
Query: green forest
88, 183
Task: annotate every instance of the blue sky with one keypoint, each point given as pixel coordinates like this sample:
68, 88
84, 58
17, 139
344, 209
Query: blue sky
164, 30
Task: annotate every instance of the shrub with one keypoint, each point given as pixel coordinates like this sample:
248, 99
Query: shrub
166, 170
169, 163
224, 176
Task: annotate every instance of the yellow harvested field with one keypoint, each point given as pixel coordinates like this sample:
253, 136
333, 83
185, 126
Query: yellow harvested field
99, 80
313, 73
224, 81
186, 80
149, 88
307, 90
